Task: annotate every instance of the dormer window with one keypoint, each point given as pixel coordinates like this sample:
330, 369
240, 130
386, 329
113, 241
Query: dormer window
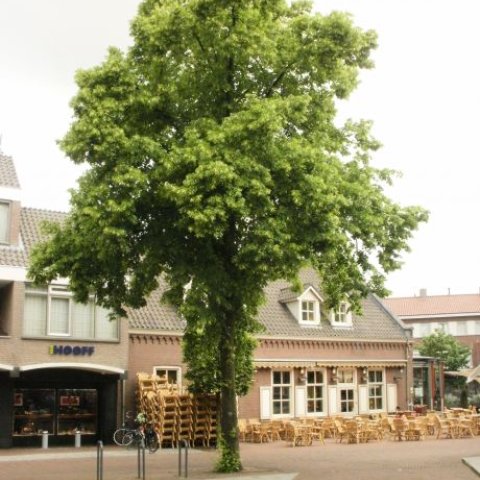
305, 307
308, 311
341, 315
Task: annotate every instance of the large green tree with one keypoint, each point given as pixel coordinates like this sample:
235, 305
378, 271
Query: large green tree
216, 160
446, 348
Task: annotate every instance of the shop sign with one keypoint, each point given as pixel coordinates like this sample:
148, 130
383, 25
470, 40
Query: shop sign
76, 351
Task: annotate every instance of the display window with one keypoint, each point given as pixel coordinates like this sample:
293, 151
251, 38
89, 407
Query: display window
34, 411
56, 411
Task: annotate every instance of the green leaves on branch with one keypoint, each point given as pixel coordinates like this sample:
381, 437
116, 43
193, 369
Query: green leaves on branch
215, 160
446, 348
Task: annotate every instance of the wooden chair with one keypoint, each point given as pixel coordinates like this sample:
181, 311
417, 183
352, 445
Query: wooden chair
354, 432
466, 427
373, 430
399, 427
318, 432
417, 429
299, 435
443, 426
261, 433
328, 427
277, 430
242, 429
340, 431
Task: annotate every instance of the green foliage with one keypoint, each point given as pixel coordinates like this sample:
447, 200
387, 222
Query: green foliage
229, 460
446, 348
216, 161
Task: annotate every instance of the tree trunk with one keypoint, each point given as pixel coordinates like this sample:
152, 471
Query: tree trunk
229, 444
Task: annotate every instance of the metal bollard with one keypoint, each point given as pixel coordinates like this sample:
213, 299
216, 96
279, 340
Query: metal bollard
99, 460
182, 444
44, 439
141, 460
78, 439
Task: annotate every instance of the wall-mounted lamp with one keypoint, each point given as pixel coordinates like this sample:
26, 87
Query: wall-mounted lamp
399, 376
303, 375
365, 374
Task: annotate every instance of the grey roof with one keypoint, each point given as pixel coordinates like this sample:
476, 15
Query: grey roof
156, 315
31, 220
376, 323
8, 174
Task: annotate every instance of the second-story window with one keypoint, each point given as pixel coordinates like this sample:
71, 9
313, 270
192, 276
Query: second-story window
341, 315
53, 312
308, 311
4, 222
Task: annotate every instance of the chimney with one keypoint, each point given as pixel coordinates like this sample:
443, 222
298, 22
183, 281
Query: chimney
423, 292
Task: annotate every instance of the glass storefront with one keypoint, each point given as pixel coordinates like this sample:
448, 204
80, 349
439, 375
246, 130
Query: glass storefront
56, 411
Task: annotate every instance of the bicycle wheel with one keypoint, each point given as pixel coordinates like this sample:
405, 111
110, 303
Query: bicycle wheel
151, 441
128, 439
119, 436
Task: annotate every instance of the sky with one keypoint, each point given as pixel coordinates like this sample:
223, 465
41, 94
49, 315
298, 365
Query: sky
423, 97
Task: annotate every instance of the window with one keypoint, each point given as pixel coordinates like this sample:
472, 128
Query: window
308, 311
281, 393
171, 374
345, 376
341, 316
315, 390
424, 329
442, 327
462, 328
347, 400
53, 312
4, 222
375, 389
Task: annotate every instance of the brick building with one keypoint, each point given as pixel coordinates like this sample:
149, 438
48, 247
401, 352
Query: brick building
65, 368
62, 364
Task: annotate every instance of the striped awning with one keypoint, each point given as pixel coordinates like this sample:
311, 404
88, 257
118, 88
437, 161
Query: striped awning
328, 363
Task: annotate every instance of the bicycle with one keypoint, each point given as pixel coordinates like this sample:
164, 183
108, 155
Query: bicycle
133, 436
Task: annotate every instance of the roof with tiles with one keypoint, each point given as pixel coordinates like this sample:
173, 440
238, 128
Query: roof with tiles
376, 323
8, 174
31, 220
434, 305
155, 315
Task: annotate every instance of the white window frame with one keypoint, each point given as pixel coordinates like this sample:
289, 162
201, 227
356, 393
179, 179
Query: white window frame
346, 369
314, 399
342, 312
61, 292
376, 383
307, 309
282, 400
170, 368
6, 240
307, 299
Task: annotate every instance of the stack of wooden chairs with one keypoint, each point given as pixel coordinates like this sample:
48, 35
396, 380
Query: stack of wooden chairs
177, 416
205, 417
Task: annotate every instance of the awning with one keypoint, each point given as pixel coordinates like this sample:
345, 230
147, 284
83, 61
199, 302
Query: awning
474, 374
328, 363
